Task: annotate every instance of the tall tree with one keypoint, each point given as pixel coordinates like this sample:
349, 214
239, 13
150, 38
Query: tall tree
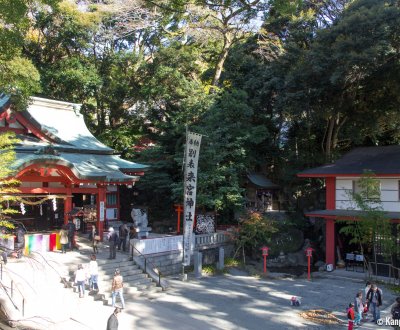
18, 76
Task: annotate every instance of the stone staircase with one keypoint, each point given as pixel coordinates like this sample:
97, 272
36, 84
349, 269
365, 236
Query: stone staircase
136, 281
168, 263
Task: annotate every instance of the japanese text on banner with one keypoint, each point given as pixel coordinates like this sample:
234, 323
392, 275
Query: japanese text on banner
193, 142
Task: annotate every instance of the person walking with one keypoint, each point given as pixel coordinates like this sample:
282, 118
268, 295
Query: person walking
117, 288
374, 297
94, 237
94, 273
358, 308
112, 322
64, 239
123, 234
80, 278
113, 241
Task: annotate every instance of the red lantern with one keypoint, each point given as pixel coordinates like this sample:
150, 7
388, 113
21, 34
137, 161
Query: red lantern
265, 254
265, 250
309, 252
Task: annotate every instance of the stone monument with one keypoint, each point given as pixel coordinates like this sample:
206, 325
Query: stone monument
140, 222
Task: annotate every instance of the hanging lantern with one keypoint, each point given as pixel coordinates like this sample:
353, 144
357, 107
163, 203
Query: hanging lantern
54, 204
22, 207
41, 209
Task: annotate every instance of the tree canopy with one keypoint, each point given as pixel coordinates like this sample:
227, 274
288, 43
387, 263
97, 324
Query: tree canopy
275, 86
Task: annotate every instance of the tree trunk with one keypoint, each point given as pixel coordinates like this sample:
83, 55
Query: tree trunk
221, 59
328, 141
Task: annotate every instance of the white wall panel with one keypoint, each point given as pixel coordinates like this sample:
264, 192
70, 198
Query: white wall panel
389, 196
390, 184
344, 184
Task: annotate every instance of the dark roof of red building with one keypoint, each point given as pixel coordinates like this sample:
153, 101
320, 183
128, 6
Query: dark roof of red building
347, 214
379, 160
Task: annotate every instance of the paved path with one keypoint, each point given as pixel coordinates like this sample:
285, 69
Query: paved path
232, 301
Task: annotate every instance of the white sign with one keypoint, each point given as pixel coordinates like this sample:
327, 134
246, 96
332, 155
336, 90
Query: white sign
101, 210
193, 142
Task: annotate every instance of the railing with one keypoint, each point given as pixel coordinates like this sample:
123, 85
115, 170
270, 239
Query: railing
154, 268
392, 271
12, 290
211, 239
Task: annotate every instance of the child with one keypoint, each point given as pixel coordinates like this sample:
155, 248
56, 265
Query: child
358, 308
350, 316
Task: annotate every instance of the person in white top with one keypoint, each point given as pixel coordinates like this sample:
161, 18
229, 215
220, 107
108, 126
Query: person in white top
80, 278
94, 273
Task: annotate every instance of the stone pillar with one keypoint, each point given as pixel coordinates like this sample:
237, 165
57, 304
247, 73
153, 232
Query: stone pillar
221, 258
198, 263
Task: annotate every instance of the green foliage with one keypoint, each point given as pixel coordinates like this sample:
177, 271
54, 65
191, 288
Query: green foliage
18, 76
255, 230
318, 78
231, 262
209, 270
7, 183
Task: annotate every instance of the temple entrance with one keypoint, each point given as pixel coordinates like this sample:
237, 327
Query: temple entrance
84, 211
39, 213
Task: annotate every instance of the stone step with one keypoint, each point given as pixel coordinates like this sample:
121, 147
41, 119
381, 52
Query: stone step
124, 259
116, 264
145, 286
138, 274
110, 269
124, 273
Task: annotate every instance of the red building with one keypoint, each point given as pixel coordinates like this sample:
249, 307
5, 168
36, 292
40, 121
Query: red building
61, 166
341, 179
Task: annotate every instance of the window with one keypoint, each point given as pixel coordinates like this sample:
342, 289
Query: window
111, 199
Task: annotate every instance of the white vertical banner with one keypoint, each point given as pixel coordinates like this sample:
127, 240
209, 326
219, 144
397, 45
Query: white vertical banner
101, 210
193, 142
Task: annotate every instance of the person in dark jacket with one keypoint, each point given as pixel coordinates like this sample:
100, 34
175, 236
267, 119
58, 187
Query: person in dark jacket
113, 242
71, 234
374, 296
123, 234
112, 323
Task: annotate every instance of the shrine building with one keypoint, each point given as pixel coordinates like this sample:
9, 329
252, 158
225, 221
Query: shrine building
342, 181
62, 168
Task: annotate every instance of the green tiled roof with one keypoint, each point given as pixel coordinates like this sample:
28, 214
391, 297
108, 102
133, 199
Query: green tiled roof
63, 123
74, 146
105, 168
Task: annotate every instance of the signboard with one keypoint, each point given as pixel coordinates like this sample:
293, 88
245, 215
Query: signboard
192, 150
101, 210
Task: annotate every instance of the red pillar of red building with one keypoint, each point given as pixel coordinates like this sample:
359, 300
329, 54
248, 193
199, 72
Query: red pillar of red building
330, 223
67, 204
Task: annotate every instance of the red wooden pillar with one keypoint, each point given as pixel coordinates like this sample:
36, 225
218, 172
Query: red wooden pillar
330, 223
330, 242
67, 204
101, 209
